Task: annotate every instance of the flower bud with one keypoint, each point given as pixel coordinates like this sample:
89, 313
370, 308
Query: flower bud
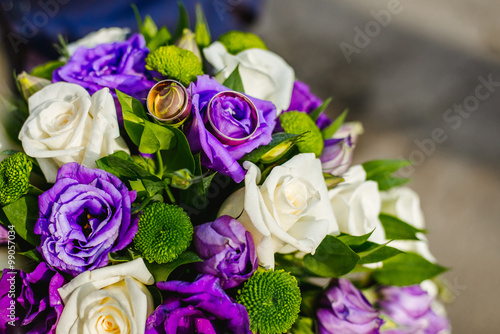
188, 42
168, 101
31, 84
181, 179
338, 151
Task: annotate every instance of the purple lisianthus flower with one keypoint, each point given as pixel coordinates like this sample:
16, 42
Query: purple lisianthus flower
410, 307
119, 65
233, 119
305, 101
337, 153
30, 302
4, 235
227, 249
198, 307
344, 309
83, 217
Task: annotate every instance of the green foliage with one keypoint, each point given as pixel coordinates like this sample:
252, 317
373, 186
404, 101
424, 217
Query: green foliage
234, 81
161, 272
321, 109
272, 299
381, 172
153, 36
23, 214
371, 252
333, 258
406, 269
14, 177
297, 122
396, 229
183, 22
303, 325
202, 31
329, 131
45, 70
237, 41
175, 63
165, 231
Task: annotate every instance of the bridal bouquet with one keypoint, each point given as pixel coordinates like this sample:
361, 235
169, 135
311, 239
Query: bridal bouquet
168, 183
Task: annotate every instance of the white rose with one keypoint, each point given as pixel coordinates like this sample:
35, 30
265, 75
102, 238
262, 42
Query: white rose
290, 211
264, 74
404, 204
67, 125
101, 36
356, 204
107, 300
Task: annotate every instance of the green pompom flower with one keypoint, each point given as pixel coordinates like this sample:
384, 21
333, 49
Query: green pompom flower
175, 63
297, 122
165, 231
237, 41
14, 177
272, 299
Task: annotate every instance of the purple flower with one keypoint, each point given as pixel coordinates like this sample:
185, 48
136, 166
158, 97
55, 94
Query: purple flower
198, 307
30, 302
410, 308
83, 217
304, 100
4, 235
337, 153
227, 249
119, 65
232, 119
344, 309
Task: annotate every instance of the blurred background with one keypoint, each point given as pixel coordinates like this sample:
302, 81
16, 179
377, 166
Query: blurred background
423, 77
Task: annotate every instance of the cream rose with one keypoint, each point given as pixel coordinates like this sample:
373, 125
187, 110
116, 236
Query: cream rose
264, 74
289, 212
101, 36
356, 204
107, 300
404, 204
66, 125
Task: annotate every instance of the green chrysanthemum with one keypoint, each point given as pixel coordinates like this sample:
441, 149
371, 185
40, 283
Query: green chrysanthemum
14, 177
297, 122
175, 63
237, 41
165, 231
272, 299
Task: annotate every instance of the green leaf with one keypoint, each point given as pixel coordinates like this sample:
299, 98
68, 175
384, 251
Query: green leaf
162, 38
134, 116
397, 229
45, 70
234, 81
155, 138
352, 240
337, 123
183, 22
161, 271
125, 255
122, 165
179, 156
148, 28
33, 255
333, 258
319, 110
381, 172
202, 31
290, 263
23, 214
371, 252
406, 269
280, 144
303, 325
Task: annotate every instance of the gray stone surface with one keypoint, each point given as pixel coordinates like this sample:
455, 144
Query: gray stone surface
401, 86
